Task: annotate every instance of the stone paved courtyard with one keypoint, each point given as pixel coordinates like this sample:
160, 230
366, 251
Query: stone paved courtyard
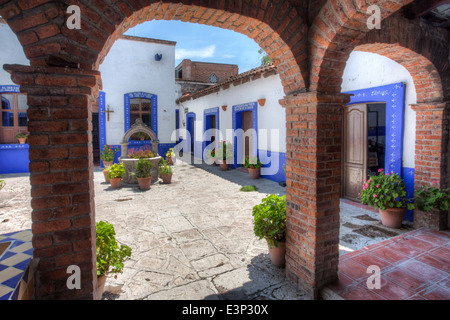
193, 239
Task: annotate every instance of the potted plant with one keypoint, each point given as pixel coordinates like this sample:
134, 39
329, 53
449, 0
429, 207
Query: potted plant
432, 205
22, 137
225, 154
115, 175
211, 155
110, 256
107, 155
169, 156
253, 164
269, 222
165, 172
105, 173
387, 193
144, 173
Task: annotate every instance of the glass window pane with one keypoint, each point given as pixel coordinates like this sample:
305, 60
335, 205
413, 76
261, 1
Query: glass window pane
146, 105
23, 120
22, 102
7, 119
133, 118
7, 101
147, 119
135, 105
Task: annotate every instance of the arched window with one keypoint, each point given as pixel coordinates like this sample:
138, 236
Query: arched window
141, 108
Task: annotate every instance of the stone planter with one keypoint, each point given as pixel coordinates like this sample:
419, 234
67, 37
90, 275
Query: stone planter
392, 217
144, 183
254, 173
115, 182
278, 255
435, 219
130, 169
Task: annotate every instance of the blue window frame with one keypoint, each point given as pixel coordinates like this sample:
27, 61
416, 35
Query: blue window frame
154, 109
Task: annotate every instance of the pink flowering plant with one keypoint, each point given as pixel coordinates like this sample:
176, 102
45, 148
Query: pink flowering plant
386, 190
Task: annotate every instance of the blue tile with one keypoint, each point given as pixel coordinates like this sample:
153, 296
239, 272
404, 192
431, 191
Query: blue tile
12, 282
8, 254
3, 267
6, 296
22, 265
15, 295
29, 252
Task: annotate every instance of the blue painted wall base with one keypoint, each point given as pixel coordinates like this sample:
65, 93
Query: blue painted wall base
14, 158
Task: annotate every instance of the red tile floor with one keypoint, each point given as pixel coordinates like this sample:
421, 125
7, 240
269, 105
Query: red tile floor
414, 266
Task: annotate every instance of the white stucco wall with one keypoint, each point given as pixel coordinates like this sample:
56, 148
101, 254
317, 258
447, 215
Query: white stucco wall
130, 66
10, 53
270, 116
367, 70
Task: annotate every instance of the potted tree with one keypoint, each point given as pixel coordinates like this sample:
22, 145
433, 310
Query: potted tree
269, 222
144, 173
225, 154
22, 137
387, 193
165, 172
253, 164
110, 256
115, 175
107, 155
432, 205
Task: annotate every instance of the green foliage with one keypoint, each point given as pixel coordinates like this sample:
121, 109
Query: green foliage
386, 190
170, 153
21, 135
252, 163
164, 168
116, 171
110, 256
249, 188
108, 153
429, 198
2, 184
225, 151
269, 219
144, 168
265, 59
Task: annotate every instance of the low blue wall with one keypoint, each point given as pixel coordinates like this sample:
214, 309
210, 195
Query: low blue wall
14, 158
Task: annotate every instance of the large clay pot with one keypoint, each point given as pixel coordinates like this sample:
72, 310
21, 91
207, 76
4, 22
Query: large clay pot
224, 166
22, 140
278, 255
100, 287
145, 183
107, 164
166, 178
115, 182
254, 173
392, 217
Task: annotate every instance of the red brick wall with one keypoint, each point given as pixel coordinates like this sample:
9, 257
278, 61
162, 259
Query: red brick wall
201, 71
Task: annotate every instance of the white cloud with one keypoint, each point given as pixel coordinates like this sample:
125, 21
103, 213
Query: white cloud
206, 52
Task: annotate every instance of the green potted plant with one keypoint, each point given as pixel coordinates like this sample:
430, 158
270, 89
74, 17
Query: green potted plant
115, 175
2, 184
211, 156
107, 155
432, 205
225, 154
165, 172
22, 137
269, 222
110, 256
144, 173
387, 193
170, 155
253, 164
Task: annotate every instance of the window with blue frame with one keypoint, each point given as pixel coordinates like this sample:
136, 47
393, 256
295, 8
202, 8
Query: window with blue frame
13, 116
141, 105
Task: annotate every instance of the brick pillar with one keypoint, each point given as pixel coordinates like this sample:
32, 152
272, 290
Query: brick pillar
61, 175
432, 144
313, 166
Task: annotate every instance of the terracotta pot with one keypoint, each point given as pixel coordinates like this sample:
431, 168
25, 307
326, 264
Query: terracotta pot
278, 255
166, 178
22, 140
105, 173
224, 166
254, 173
107, 163
392, 217
169, 161
115, 182
100, 287
145, 183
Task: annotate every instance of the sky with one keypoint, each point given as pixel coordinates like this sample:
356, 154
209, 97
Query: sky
203, 43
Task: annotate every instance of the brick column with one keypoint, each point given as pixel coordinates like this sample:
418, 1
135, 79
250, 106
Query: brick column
313, 166
61, 175
432, 144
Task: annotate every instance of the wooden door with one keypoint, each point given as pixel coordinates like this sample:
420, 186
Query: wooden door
247, 125
213, 127
355, 150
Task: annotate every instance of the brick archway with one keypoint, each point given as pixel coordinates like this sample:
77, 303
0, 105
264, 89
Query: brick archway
61, 84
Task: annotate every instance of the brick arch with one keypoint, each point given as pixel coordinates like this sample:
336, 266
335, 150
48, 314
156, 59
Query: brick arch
278, 28
336, 30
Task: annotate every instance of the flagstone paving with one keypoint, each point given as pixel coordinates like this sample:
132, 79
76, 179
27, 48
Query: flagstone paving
193, 238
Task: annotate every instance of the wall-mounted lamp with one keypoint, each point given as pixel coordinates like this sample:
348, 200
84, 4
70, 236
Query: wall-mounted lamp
262, 102
158, 57
224, 108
